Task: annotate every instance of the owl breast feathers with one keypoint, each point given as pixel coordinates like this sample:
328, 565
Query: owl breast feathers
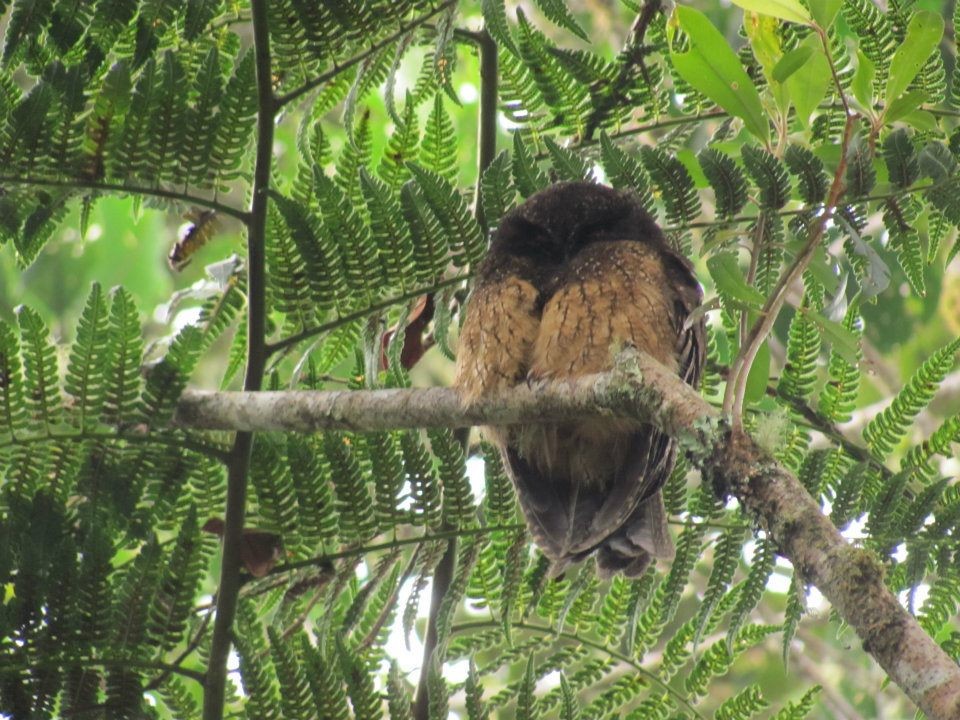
574, 274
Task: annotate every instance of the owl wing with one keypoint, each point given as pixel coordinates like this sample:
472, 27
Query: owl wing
579, 483
502, 319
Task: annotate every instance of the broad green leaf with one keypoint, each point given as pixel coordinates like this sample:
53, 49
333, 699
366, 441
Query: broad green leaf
763, 31
726, 274
824, 11
713, 68
756, 387
791, 62
923, 36
809, 83
903, 106
789, 10
863, 79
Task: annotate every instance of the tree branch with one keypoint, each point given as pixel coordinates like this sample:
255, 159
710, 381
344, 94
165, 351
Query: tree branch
238, 463
850, 578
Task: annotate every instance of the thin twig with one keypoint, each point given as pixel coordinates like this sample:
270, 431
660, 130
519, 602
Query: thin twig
80, 184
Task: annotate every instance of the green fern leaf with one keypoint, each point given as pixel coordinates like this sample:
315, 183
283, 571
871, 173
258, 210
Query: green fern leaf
390, 234
792, 615
528, 177
727, 180
173, 604
939, 443
497, 192
847, 500
166, 128
463, 234
287, 274
354, 504
199, 126
429, 237
317, 520
624, 171
275, 493
401, 147
900, 156
326, 683
769, 174
41, 383
810, 173
875, 32
438, 149
295, 698
567, 164
761, 568
476, 710
257, 671
526, 700
838, 397
800, 709
398, 699
558, 12
803, 349
937, 163
13, 409
495, 22
459, 510
565, 97
899, 217
233, 122
520, 100
742, 706
941, 603
167, 379
674, 183
319, 253
889, 427
860, 176
424, 485
726, 558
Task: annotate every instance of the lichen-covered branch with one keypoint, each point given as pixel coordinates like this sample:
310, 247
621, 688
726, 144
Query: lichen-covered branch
849, 577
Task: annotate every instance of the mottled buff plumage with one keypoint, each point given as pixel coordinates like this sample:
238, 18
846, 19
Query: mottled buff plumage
574, 274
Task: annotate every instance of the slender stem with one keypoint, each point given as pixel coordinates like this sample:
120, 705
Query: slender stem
346, 65
53, 663
362, 313
740, 368
184, 441
239, 462
240, 215
653, 678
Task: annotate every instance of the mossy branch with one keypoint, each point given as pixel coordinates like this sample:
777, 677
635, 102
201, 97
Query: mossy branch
850, 578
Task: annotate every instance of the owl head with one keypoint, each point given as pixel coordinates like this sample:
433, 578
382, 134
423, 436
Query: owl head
554, 224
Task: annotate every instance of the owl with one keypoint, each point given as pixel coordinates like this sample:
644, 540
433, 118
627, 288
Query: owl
573, 275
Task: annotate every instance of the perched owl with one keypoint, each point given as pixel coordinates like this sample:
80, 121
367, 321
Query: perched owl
573, 275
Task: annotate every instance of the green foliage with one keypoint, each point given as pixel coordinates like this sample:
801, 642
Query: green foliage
375, 218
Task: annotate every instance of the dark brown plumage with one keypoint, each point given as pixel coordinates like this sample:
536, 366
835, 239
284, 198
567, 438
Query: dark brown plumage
573, 274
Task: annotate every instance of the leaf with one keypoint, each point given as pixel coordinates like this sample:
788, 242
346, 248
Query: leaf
862, 83
824, 11
791, 62
923, 36
784, 9
809, 83
844, 342
713, 68
725, 271
902, 106
560, 15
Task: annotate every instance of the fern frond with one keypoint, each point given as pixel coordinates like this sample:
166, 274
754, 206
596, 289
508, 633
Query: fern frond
674, 183
769, 174
390, 234
742, 706
463, 234
900, 156
41, 380
257, 671
567, 164
13, 408
761, 568
624, 171
424, 484
811, 176
438, 149
354, 504
839, 394
528, 177
899, 217
727, 180
800, 709
890, 426
497, 193
803, 349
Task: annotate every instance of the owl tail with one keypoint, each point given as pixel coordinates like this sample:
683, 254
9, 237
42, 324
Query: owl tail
638, 541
